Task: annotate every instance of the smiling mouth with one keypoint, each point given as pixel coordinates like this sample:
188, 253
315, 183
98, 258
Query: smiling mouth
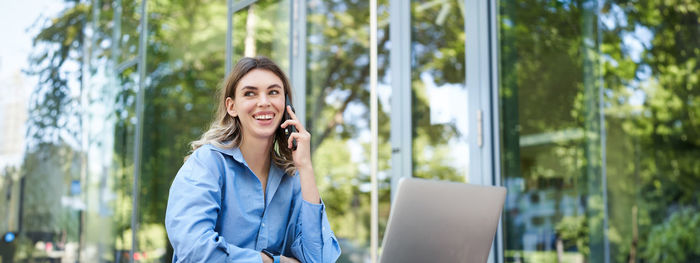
264, 117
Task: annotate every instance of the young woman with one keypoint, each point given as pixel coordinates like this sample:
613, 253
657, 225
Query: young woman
244, 194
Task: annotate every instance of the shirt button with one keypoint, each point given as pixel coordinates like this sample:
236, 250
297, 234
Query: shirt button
323, 228
263, 224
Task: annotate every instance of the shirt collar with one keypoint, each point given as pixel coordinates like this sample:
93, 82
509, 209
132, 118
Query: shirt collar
276, 173
234, 152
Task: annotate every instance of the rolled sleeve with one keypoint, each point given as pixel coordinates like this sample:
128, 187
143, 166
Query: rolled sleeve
315, 240
313, 216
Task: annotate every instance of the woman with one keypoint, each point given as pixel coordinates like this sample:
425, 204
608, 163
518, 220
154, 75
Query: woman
244, 195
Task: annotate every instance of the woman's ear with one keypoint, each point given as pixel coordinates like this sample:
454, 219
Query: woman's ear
230, 107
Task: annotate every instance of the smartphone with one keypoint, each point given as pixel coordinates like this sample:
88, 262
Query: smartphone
290, 128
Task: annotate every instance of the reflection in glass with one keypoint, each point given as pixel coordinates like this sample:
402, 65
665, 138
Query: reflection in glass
551, 133
337, 116
123, 160
125, 16
439, 100
64, 197
599, 142
262, 29
650, 57
186, 64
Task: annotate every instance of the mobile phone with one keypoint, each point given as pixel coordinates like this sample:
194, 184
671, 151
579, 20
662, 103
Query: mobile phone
290, 128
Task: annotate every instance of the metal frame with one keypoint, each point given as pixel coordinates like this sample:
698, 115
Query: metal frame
498, 251
235, 7
401, 128
479, 91
297, 56
482, 76
232, 8
374, 218
138, 139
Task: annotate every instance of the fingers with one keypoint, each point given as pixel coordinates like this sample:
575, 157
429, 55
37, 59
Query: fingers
291, 112
290, 139
295, 123
290, 122
299, 136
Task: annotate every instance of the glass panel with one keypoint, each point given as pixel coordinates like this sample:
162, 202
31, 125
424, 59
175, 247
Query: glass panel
650, 54
125, 16
107, 232
123, 170
262, 29
60, 146
551, 147
560, 73
439, 97
337, 116
186, 60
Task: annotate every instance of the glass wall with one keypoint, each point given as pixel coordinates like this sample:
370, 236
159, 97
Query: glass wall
123, 55
337, 116
598, 106
551, 133
439, 92
186, 56
65, 162
262, 29
649, 56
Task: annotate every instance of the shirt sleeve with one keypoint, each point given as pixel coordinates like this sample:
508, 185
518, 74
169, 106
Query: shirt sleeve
314, 240
193, 207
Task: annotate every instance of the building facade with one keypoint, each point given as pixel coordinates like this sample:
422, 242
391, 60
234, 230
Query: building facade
588, 112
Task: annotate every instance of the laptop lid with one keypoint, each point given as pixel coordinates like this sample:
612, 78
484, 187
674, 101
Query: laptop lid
438, 221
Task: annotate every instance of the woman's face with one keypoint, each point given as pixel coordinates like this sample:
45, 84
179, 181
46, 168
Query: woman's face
258, 104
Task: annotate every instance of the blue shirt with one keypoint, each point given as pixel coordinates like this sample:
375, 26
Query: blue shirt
217, 212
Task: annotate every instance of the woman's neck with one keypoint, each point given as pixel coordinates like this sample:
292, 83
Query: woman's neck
256, 153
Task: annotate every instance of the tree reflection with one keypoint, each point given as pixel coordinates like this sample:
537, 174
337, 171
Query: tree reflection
647, 57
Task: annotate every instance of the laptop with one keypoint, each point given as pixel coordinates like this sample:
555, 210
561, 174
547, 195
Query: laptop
438, 221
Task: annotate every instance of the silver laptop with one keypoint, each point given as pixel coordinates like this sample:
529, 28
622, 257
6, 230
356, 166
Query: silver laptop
437, 221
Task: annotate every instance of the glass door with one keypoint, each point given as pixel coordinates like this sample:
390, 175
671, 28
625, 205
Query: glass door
549, 102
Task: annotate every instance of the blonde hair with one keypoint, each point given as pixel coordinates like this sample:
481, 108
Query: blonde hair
225, 131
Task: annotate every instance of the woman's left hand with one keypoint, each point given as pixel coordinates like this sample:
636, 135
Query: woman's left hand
302, 155
302, 159
284, 259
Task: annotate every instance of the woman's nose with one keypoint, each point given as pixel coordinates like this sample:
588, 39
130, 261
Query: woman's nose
264, 100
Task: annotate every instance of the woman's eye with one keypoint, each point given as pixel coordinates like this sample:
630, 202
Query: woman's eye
274, 92
248, 93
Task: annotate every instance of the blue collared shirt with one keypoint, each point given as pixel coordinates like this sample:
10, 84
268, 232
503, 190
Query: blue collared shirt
217, 212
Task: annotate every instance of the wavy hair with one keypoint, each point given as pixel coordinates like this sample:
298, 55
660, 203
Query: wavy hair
225, 131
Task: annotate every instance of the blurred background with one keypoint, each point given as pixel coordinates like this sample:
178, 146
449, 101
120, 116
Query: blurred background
588, 112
